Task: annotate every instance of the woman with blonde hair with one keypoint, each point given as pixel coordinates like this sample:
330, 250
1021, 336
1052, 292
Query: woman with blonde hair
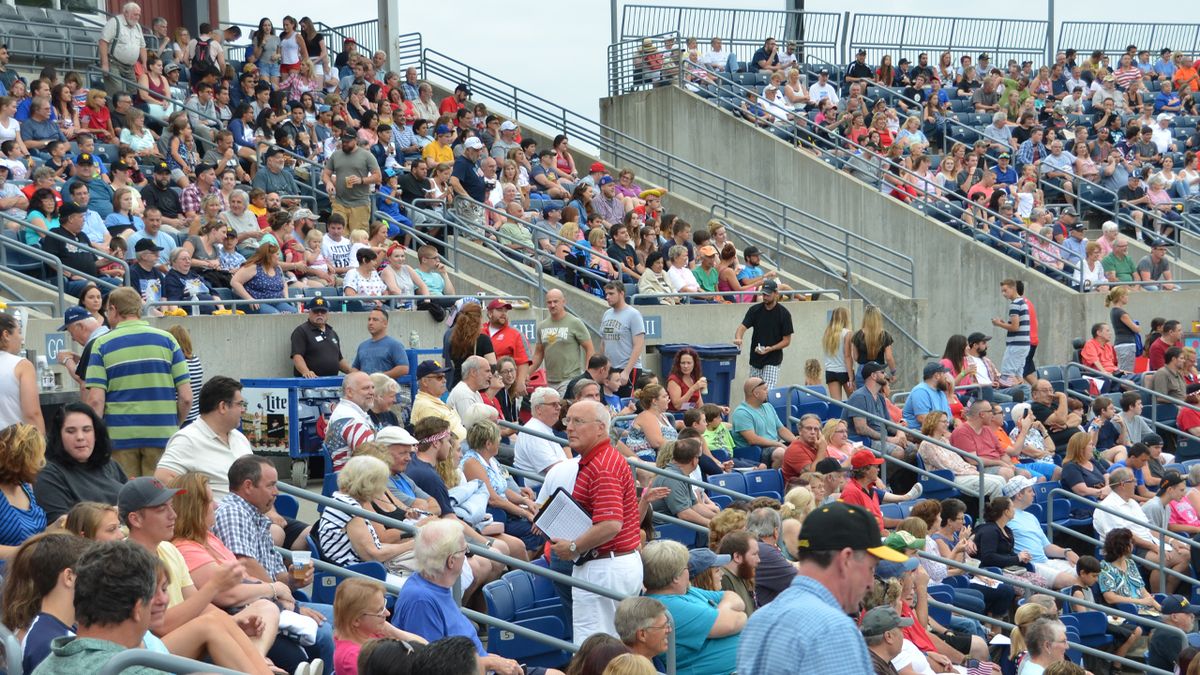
835, 345
22, 455
195, 368
630, 664
1024, 617
95, 521
479, 463
1125, 331
797, 504
837, 441
871, 343
360, 614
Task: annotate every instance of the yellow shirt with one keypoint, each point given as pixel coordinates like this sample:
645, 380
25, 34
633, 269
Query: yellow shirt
425, 405
178, 577
438, 153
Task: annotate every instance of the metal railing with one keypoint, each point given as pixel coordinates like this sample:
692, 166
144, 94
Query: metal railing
819, 34
1161, 566
168, 663
1155, 397
725, 294
1113, 37
1061, 598
59, 278
907, 35
882, 426
631, 68
50, 234
366, 300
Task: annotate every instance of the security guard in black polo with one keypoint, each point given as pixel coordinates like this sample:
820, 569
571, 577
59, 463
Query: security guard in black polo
316, 348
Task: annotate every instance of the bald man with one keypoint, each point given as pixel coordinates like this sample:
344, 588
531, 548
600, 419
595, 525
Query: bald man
350, 425
564, 344
756, 423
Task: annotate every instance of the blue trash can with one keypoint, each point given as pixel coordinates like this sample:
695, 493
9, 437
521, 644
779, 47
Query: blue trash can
718, 362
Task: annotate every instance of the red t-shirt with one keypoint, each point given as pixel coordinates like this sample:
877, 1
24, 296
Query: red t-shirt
1187, 419
852, 493
507, 342
1105, 354
1158, 352
798, 456
916, 633
1033, 330
450, 106
683, 387
95, 120
982, 444
604, 488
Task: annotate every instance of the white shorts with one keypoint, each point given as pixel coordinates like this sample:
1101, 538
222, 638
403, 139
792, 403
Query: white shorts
1050, 569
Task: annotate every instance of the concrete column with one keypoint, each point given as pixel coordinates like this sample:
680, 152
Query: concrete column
223, 18
389, 28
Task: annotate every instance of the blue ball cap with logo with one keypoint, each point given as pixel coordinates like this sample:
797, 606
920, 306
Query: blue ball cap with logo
73, 315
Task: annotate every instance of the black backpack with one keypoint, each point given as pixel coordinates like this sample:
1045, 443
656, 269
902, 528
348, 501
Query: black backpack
202, 60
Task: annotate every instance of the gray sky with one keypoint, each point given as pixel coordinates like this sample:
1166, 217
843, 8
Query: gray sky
564, 61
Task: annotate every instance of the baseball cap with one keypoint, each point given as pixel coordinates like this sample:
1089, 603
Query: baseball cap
881, 619
162, 167
653, 192
1150, 440
497, 303
473, 143
824, 71
861, 52
839, 525
606, 180
85, 158
70, 209
443, 129
700, 559
1015, 484
707, 250
1177, 604
427, 368
303, 214
317, 304
1005, 155
903, 541
1069, 211
463, 88
146, 245
977, 337
394, 436
1079, 227
170, 68
870, 368
596, 167
73, 315
508, 125
348, 136
1170, 480
120, 166
984, 57
933, 368
770, 286
142, 493
864, 458
827, 466
887, 569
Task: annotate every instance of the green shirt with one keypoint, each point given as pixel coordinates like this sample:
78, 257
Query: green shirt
562, 347
707, 281
139, 368
719, 438
71, 655
1122, 267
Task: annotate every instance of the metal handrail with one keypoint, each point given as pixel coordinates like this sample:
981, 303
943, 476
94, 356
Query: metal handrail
1127, 384
623, 148
830, 148
45, 258
12, 650
339, 298
482, 551
170, 663
882, 424
1088, 398
1104, 609
89, 249
721, 294
1163, 570
1057, 595
632, 461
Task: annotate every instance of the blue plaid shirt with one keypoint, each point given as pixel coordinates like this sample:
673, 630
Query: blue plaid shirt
247, 533
804, 630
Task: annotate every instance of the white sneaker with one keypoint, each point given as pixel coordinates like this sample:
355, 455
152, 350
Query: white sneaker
314, 667
915, 493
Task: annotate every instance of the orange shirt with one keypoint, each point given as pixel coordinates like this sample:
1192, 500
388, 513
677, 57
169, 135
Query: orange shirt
1185, 79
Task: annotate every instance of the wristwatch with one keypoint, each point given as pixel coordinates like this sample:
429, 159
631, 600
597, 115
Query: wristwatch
571, 548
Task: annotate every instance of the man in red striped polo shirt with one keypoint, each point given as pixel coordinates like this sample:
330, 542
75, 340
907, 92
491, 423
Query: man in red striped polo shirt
606, 553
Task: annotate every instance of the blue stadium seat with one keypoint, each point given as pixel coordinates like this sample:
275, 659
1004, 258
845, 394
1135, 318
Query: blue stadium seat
325, 584
733, 481
286, 506
1041, 491
765, 483
502, 605
892, 511
677, 533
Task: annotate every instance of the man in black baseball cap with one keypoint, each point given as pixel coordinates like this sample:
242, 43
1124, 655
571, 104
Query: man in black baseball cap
806, 628
1166, 645
316, 348
986, 372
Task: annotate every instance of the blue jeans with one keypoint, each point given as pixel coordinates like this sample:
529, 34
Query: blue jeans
324, 646
266, 308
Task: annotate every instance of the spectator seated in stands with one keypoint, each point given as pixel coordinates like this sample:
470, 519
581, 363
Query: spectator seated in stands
870, 399
929, 396
80, 258
1135, 520
975, 436
79, 464
1054, 563
755, 423
707, 623
643, 626
774, 573
966, 474
683, 502
182, 283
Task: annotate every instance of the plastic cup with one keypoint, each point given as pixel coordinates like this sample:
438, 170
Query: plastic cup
301, 560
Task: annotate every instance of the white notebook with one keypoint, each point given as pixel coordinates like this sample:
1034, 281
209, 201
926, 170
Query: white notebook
562, 517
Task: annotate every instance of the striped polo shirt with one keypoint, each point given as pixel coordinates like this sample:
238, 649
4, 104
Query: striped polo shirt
1020, 336
138, 368
604, 488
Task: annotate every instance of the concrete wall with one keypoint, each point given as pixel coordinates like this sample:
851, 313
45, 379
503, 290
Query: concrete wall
958, 278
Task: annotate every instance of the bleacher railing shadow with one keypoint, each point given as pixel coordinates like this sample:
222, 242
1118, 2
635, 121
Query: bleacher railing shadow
1062, 599
1163, 570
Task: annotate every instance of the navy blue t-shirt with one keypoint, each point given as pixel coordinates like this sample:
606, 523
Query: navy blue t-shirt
42, 631
427, 478
470, 177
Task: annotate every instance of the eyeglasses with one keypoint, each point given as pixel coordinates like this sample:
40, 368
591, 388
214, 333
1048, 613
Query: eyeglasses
666, 625
238, 404
578, 421
382, 614
463, 552
555, 404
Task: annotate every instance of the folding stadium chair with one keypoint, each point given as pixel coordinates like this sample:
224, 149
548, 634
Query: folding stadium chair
765, 483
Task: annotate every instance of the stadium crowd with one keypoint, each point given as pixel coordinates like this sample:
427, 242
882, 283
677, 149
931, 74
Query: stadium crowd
1021, 156
149, 474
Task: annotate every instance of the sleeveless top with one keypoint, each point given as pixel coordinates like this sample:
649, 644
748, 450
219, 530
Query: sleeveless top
313, 46
836, 362
10, 391
17, 525
159, 90
561, 163
1121, 333
263, 286
289, 49
683, 387
636, 441
495, 474
199, 253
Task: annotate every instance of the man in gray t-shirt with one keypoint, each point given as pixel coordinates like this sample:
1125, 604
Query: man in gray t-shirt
622, 336
1155, 267
683, 501
348, 176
